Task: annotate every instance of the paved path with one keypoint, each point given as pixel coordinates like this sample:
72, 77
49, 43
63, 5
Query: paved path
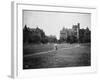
50, 51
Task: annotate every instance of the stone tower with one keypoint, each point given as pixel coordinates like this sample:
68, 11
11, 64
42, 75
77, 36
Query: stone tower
78, 28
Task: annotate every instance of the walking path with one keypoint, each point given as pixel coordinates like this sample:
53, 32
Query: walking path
50, 51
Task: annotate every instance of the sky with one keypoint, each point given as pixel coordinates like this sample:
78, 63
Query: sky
53, 22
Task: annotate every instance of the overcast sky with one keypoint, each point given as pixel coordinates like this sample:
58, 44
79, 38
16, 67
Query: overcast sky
53, 22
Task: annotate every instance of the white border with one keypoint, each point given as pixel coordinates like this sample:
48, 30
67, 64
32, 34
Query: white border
17, 55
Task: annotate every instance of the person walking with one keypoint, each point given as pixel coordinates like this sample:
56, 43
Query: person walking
55, 47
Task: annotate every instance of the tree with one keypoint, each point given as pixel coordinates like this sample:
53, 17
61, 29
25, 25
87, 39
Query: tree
52, 39
71, 39
85, 35
81, 35
25, 34
34, 35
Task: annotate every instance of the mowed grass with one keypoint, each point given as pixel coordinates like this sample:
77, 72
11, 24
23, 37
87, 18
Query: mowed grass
36, 48
74, 57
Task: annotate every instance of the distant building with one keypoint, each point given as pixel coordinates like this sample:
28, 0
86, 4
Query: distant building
76, 29
64, 33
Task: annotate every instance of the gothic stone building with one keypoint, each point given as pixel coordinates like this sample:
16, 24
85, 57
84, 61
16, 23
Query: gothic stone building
64, 33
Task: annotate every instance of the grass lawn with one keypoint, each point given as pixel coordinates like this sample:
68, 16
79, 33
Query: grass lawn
36, 48
79, 56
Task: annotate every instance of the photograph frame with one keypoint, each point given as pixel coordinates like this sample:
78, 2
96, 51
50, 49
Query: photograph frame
17, 55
